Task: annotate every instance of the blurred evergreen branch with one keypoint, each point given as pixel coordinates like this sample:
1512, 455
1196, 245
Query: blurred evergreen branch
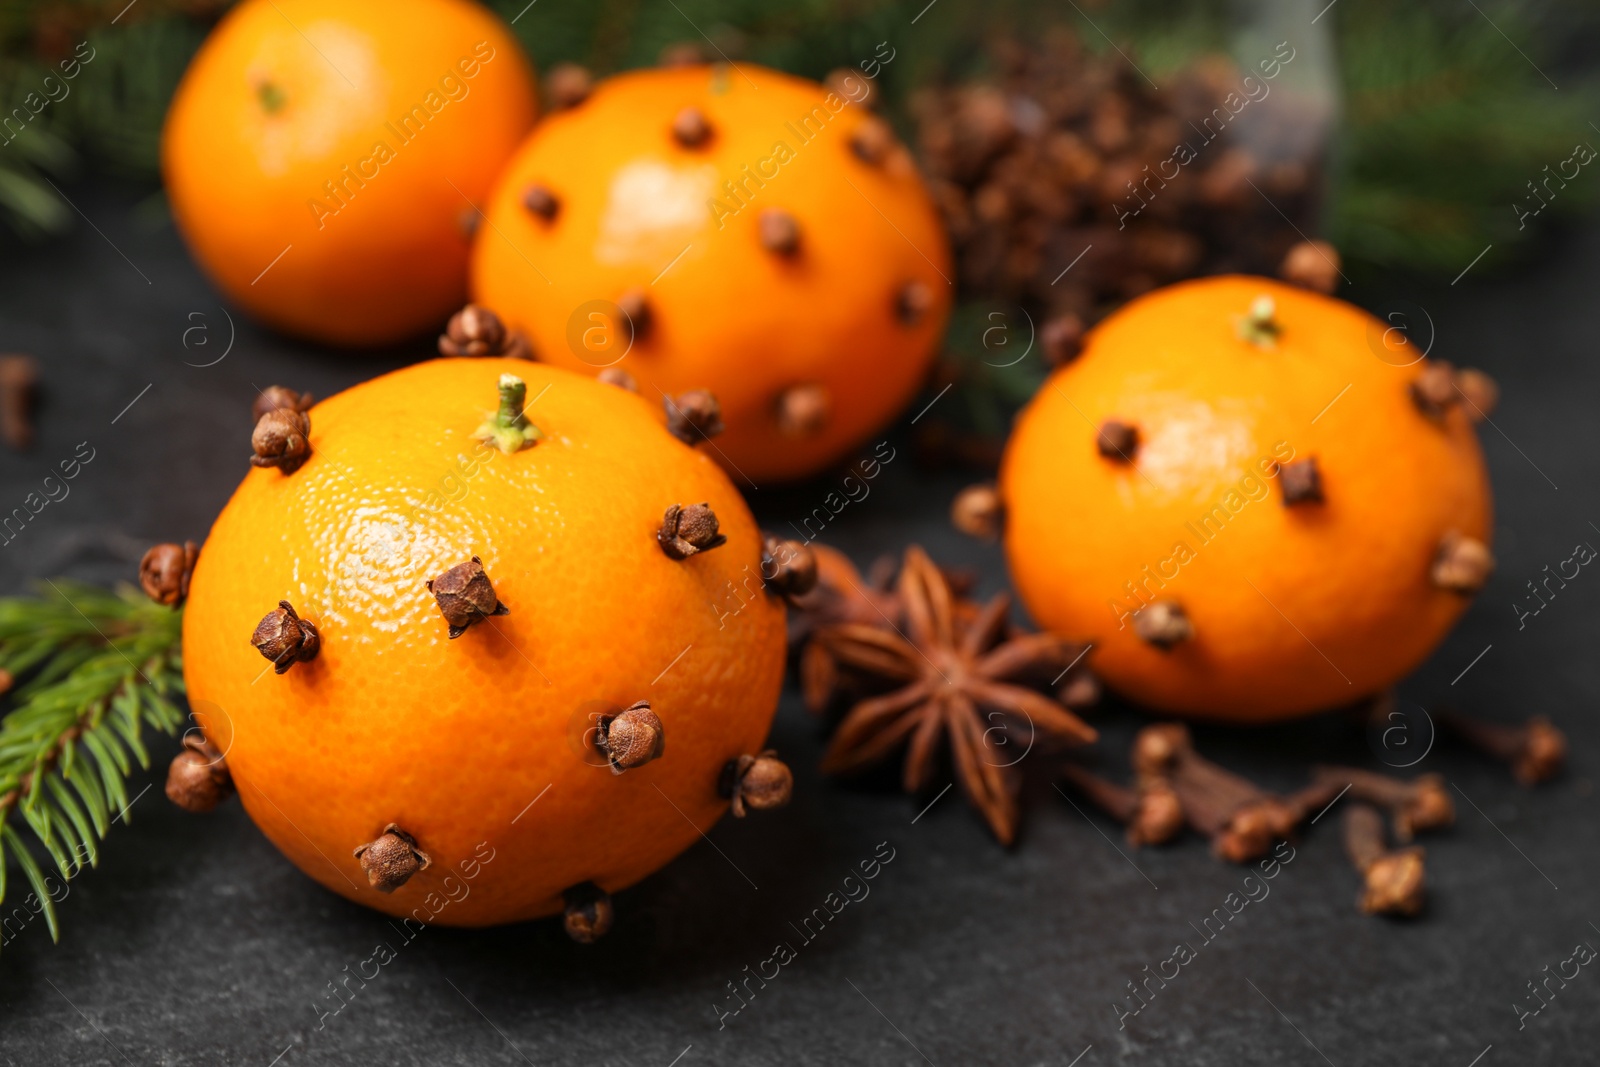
1445, 123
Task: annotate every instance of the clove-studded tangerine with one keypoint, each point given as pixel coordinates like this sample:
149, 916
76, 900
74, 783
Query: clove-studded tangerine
1251, 499
432, 730
731, 228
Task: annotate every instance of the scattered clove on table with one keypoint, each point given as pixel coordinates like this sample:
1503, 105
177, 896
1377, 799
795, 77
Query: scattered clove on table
1241, 819
1151, 812
1536, 750
1420, 804
1394, 882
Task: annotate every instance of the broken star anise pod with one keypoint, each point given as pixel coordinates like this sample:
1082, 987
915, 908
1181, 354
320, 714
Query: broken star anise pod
950, 668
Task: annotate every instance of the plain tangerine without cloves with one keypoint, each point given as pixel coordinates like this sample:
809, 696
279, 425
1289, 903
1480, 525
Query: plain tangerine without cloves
323, 158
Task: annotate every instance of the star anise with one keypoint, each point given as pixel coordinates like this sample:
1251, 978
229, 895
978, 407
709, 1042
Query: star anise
950, 667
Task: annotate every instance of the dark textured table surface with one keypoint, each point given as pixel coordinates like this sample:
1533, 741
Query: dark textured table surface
196, 943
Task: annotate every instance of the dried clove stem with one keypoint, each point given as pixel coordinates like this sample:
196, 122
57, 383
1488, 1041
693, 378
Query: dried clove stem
1152, 812
1535, 750
1394, 880
1420, 804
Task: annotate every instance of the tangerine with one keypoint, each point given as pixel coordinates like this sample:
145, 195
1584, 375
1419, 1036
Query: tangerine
1254, 501
322, 156
471, 642
733, 228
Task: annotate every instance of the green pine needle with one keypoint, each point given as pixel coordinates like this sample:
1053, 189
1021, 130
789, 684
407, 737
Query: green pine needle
100, 667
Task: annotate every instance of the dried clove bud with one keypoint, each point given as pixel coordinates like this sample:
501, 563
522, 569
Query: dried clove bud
913, 303
285, 638
1302, 482
788, 568
1163, 623
1157, 748
1117, 440
391, 860
691, 128
276, 398
198, 779
1152, 813
686, 531
1463, 564
476, 331
1081, 690
165, 570
1419, 805
1394, 882
693, 416
632, 738
872, 141
589, 913
635, 309
1159, 816
1061, 339
19, 389
978, 511
1535, 750
804, 410
540, 201
282, 439
567, 85
620, 378
465, 595
1434, 389
1479, 391
1312, 264
758, 783
780, 231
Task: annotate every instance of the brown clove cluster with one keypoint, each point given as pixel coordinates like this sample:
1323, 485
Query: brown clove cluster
1065, 149
1176, 787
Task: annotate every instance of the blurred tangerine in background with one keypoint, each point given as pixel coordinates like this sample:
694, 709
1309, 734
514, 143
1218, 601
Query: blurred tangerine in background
323, 158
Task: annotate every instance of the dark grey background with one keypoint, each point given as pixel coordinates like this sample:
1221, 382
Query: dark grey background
196, 943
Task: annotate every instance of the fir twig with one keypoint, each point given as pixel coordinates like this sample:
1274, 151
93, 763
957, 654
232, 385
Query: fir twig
100, 666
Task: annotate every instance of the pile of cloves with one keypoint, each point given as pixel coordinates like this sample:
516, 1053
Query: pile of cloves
1175, 787
1060, 152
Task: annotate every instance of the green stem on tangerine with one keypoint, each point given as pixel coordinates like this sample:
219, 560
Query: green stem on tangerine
1260, 326
509, 427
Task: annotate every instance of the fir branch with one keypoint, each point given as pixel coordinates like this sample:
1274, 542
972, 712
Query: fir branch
100, 667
